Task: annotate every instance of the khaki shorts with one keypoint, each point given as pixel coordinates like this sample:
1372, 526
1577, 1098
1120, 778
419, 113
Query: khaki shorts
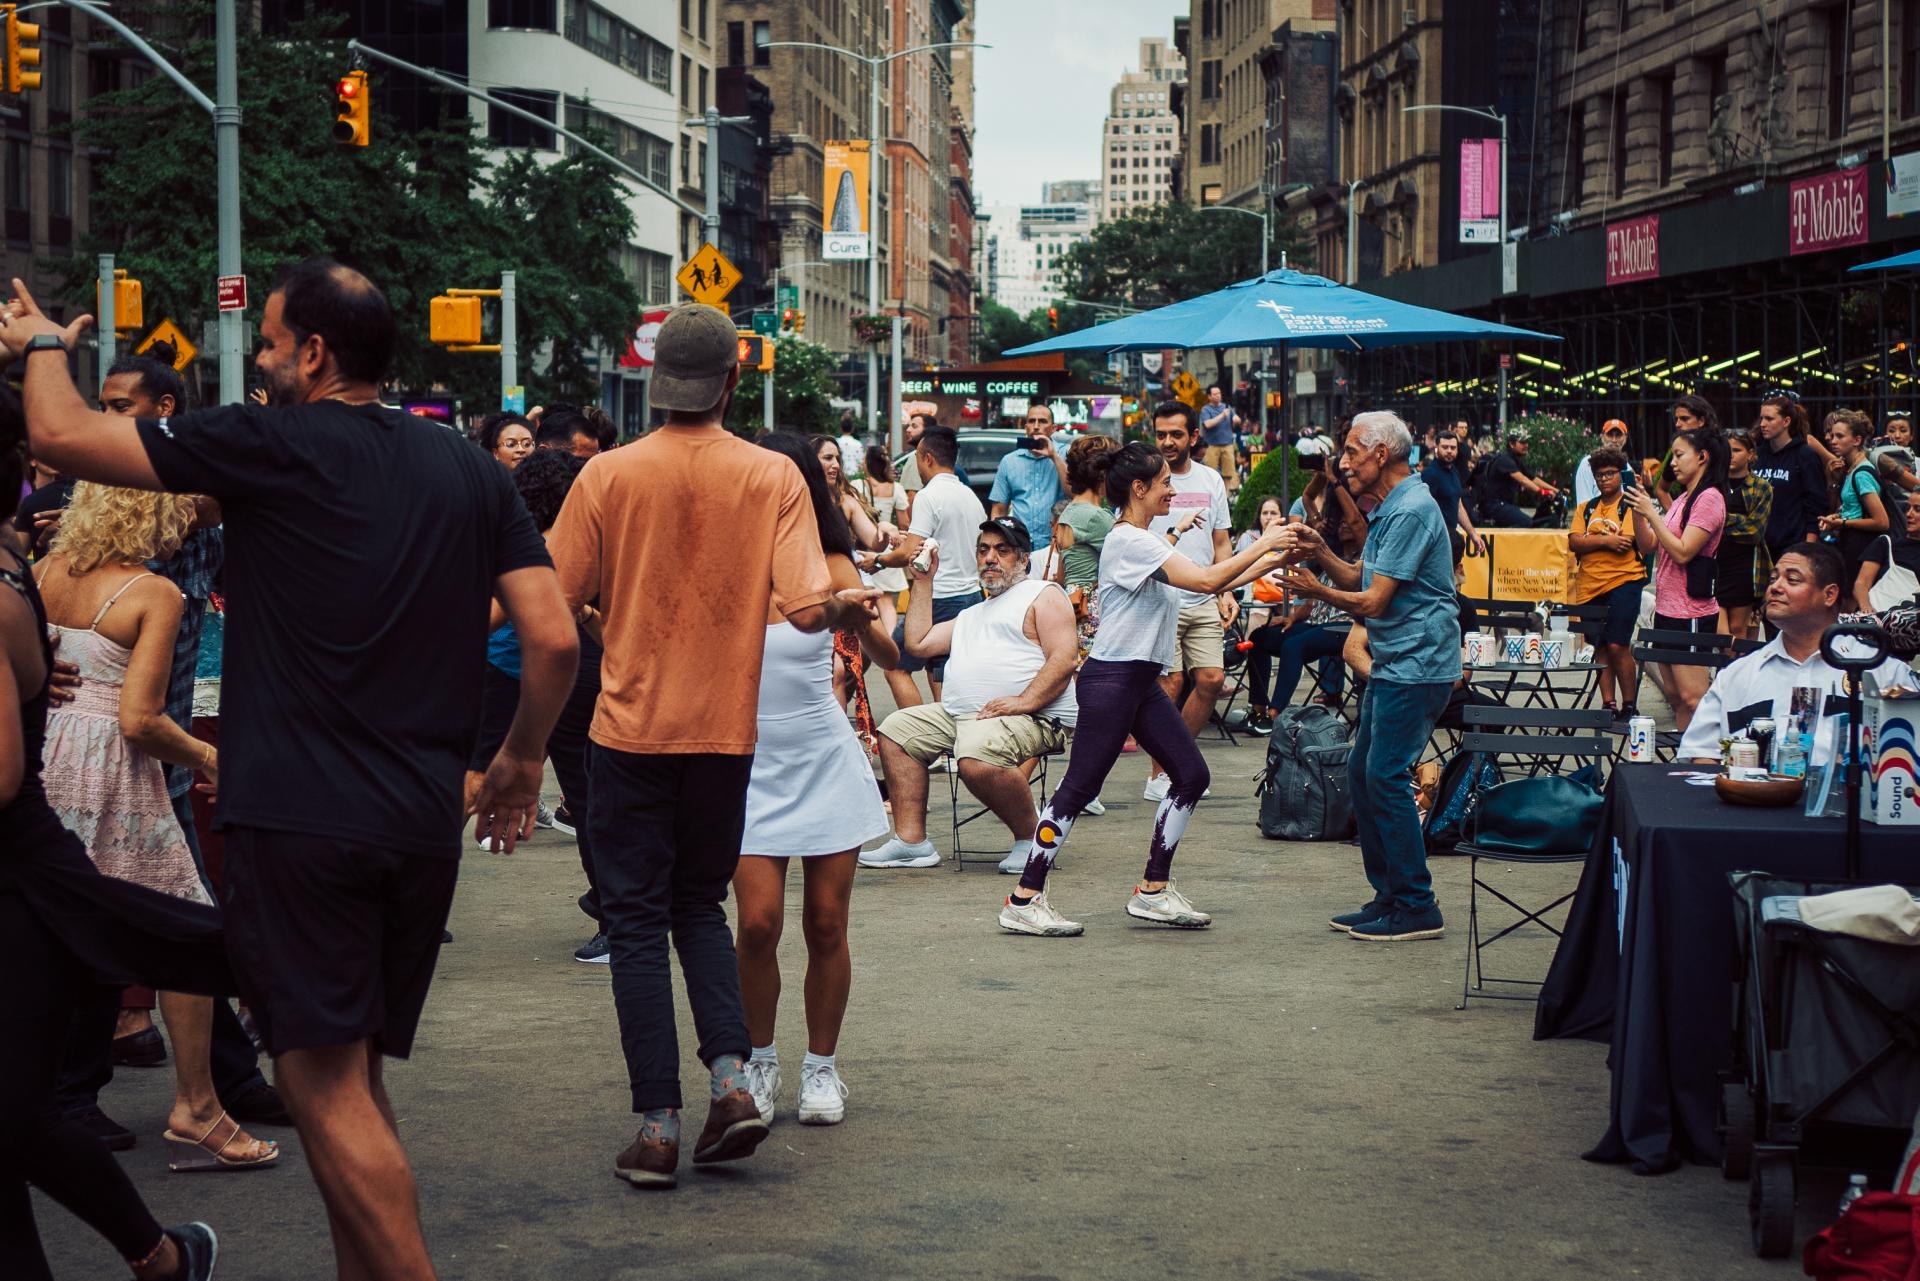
1224, 459
926, 731
1200, 638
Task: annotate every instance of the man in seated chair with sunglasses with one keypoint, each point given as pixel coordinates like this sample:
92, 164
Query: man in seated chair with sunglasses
1803, 600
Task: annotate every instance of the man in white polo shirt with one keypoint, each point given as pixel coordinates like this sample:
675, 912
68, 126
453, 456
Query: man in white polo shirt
1009, 697
1201, 518
949, 513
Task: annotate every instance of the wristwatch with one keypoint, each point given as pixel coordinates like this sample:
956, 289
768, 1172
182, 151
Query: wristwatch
45, 342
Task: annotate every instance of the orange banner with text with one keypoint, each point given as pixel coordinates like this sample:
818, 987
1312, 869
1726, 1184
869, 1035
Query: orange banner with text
1520, 564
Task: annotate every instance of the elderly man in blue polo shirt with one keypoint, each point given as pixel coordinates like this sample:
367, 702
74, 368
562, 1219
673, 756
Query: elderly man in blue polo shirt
1403, 591
1032, 479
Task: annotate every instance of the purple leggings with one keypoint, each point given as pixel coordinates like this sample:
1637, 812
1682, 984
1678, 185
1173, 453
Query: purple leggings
1117, 699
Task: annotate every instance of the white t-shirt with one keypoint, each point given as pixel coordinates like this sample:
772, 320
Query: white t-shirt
1138, 612
1200, 486
950, 513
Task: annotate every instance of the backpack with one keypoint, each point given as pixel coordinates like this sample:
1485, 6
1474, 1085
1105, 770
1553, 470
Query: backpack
1303, 790
1462, 782
1878, 1237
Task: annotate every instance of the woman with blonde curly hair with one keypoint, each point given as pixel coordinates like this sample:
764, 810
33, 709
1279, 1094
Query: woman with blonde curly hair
117, 622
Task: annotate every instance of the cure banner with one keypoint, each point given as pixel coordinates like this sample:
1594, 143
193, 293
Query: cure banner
845, 236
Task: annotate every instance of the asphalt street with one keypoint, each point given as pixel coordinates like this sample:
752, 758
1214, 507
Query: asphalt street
1264, 1099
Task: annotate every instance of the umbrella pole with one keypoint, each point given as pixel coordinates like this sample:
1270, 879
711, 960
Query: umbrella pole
1280, 436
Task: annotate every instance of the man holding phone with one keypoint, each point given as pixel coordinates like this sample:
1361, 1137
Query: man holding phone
1032, 478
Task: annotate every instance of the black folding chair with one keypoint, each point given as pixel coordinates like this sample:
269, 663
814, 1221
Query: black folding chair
1547, 750
956, 790
1233, 661
1672, 648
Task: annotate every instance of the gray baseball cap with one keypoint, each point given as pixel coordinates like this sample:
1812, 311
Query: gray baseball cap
695, 350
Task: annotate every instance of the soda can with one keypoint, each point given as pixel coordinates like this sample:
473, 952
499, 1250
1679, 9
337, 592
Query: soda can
1743, 753
1516, 648
1530, 651
1761, 731
1640, 739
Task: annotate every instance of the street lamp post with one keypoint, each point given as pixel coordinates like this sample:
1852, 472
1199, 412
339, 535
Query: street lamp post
1353, 233
1501, 250
1265, 215
873, 63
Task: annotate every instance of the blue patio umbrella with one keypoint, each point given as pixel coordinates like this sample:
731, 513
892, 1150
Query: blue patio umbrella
1909, 259
1283, 308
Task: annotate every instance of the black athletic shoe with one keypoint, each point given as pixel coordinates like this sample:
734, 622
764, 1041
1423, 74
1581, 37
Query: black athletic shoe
198, 1247
115, 1136
563, 821
595, 951
1260, 722
259, 1104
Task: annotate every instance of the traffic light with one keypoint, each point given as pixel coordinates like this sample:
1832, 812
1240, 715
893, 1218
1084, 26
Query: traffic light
129, 311
350, 126
1053, 319
786, 320
799, 322
453, 322
22, 51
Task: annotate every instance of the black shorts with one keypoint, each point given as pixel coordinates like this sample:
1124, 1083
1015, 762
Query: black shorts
1623, 614
333, 940
1733, 576
1698, 626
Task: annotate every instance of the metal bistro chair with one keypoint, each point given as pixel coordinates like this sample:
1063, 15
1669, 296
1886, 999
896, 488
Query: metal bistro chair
956, 789
1548, 750
1233, 661
1674, 649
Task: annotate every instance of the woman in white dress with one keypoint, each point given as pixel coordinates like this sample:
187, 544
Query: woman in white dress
812, 797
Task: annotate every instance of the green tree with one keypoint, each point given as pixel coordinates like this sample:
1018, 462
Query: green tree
1002, 328
418, 213
1168, 252
803, 390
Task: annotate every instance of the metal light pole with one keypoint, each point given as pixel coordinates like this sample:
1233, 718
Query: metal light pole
509, 339
106, 317
766, 384
873, 63
1353, 233
711, 122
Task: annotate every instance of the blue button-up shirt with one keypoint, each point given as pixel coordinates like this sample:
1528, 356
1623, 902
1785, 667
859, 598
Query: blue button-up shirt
1030, 486
1417, 640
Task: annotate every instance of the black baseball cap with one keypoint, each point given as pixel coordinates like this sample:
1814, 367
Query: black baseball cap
1011, 528
694, 352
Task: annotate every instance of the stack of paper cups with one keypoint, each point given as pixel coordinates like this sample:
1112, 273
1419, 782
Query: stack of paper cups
1531, 649
1559, 648
1516, 648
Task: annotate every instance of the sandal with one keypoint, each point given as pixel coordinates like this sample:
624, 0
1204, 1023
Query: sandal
195, 1156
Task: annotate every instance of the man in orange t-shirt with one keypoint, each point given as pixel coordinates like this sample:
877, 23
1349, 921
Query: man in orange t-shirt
685, 538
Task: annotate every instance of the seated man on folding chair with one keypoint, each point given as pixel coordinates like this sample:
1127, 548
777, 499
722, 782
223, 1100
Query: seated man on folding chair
1008, 698
1803, 600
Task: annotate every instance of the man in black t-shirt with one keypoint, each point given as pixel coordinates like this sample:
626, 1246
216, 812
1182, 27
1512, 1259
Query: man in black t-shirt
1504, 481
363, 547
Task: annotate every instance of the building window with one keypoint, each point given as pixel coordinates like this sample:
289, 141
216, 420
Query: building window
1619, 143
15, 168
736, 44
703, 88
1576, 179
686, 15
1581, 40
535, 14
703, 27
1839, 68
1663, 104
1621, 16
59, 198
605, 36
1713, 71
1210, 79
651, 155
762, 37
1209, 144
686, 82
504, 129
58, 71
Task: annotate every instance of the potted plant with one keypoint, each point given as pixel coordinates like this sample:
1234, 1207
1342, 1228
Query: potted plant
874, 328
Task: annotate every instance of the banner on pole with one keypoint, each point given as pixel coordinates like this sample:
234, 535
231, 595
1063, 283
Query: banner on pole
845, 236
1479, 191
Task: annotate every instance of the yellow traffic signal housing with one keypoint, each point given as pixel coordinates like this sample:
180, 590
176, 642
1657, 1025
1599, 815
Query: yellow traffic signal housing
350, 126
129, 311
22, 52
799, 322
755, 351
453, 321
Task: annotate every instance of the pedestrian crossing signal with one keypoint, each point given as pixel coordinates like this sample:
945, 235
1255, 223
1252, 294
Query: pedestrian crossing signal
351, 101
756, 351
453, 321
22, 52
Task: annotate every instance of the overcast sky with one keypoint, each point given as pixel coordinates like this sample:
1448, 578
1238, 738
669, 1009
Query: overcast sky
1040, 93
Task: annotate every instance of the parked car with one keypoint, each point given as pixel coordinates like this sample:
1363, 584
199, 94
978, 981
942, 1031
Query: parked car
979, 458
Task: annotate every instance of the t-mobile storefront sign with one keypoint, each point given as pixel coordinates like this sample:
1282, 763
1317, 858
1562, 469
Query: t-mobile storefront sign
1828, 212
1633, 250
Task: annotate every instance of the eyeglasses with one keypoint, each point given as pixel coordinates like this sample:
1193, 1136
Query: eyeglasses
1602, 475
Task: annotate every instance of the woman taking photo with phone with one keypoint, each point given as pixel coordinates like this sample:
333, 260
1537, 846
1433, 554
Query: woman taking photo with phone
1687, 540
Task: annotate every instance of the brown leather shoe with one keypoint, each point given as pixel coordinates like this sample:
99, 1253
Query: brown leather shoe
733, 1130
649, 1163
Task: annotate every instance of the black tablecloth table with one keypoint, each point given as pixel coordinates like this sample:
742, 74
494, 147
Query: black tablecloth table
1647, 963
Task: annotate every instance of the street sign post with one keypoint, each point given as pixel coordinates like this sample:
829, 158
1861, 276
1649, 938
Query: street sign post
789, 299
708, 277
167, 331
766, 323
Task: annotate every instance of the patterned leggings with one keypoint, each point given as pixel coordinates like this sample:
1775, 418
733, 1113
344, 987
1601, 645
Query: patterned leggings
1117, 699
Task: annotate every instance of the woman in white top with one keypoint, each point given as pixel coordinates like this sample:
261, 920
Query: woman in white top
1120, 694
889, 500
811, 796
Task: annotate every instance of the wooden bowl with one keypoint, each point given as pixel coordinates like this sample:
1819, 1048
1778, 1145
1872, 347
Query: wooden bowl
1775, 789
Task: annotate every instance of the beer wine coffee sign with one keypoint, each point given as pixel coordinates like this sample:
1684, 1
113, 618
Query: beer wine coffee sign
1633, 250
1828, 212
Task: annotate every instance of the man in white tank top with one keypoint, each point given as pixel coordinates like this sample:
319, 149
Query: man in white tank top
1008, 697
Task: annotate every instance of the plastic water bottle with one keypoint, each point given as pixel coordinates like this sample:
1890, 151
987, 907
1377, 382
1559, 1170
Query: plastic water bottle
1856, 1188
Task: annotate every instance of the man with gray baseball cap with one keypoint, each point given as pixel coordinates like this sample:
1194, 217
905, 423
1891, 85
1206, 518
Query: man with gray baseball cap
687, 539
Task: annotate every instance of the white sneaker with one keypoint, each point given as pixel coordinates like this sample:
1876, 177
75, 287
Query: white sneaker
823, 1096
763, 1082
945, 765
1167, 907
897, 853
1156, 789
1016, 860
1095, 807
1036, 916
542, 816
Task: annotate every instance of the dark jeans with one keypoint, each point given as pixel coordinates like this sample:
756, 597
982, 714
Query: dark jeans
666, 838
1295, 647
1395, 720
38, 1145
1505, 516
